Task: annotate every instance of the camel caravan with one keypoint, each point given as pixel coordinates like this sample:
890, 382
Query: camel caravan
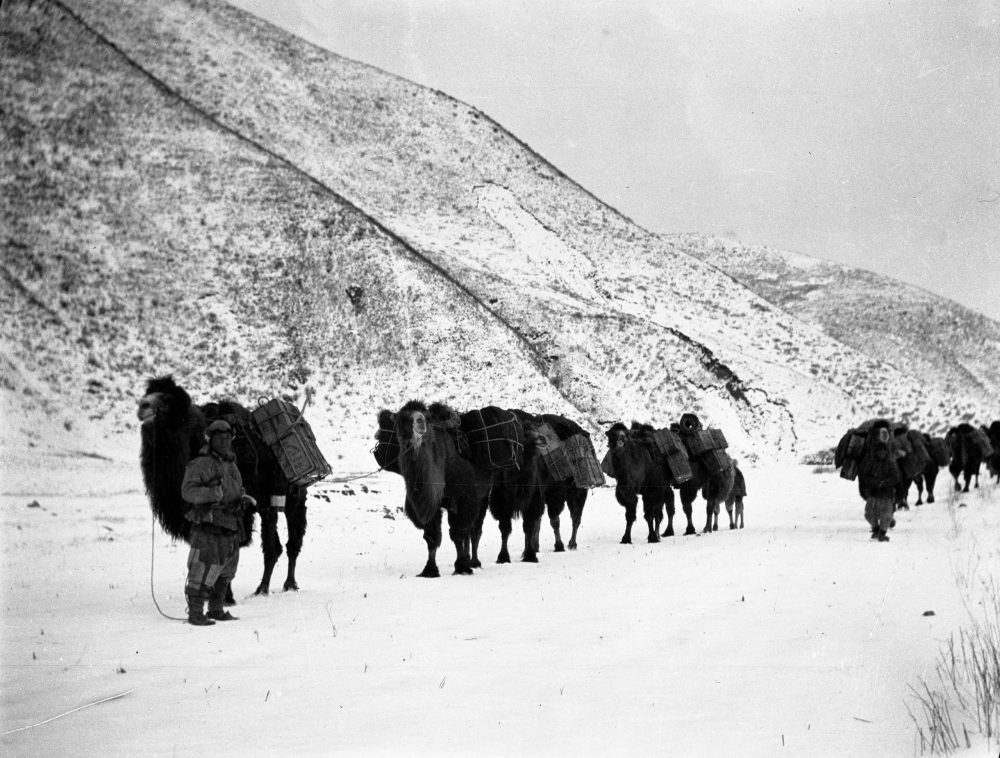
513, 464
887, 457
517, 465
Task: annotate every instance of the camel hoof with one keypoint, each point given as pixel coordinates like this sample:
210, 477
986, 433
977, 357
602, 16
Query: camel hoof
930, 500
463, 570
291, 585
690, 530
430, 572
560, 548
477, 564
262, 590
626, 541
532, 558
572, 546
503, 558
715, 527
668, 532
732, 526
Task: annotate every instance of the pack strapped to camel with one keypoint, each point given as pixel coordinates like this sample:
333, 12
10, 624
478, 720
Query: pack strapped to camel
669, 445
848, 453
553, 452
568, 452
289, 436
982, 440
852, 445
707, 445
917, 456
940, 452
496, 438
386, 450
583, 461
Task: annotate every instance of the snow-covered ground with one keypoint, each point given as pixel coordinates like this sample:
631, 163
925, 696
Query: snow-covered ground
795, 636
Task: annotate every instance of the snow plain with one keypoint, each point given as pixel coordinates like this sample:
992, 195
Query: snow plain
795, 636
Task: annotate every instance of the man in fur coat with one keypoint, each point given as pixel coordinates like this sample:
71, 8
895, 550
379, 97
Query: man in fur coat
878, 477
214, 489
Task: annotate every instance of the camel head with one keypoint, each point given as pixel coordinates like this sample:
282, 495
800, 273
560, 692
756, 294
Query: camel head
164, 402
617, 436
411, 424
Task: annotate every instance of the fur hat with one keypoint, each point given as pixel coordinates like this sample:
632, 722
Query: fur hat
218, 426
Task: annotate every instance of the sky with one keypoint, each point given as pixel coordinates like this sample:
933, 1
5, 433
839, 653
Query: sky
866, 133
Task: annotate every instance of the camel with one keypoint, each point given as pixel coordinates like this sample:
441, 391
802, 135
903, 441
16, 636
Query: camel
562, 494
993, 460
438, 477
966, 457
927, 475
521, 493
734, 500
172, 432
714, 485
638, 473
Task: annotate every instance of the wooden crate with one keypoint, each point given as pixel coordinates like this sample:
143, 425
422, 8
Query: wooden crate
292, 441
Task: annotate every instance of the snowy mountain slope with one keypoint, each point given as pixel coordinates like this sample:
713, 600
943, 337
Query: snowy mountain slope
920, 333
156, 242
310, 221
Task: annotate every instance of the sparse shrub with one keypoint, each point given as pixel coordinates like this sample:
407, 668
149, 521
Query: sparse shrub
965, 685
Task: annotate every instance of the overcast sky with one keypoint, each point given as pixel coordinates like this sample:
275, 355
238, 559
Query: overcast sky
866, 133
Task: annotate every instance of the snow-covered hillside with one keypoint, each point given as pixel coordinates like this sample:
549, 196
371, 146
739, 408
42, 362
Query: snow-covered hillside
192, 191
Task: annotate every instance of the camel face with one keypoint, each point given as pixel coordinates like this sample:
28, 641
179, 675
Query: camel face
617, 438
151, 407
412, 426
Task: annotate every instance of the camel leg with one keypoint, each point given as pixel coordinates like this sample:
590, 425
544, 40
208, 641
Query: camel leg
688, 495
629, 520
671, 510
554, 523
295, 519
461, 537
477, 535
739, 511
270, 545
653, 513
532, 528
432, 536
578, 500
930, 478
654, 529
729, 512
555, 504
708, 518
506, 527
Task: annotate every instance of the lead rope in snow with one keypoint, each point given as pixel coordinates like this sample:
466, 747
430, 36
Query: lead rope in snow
152, 563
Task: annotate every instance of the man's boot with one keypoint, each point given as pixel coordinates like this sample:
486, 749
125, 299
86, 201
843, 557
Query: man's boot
196, 613
216, 603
